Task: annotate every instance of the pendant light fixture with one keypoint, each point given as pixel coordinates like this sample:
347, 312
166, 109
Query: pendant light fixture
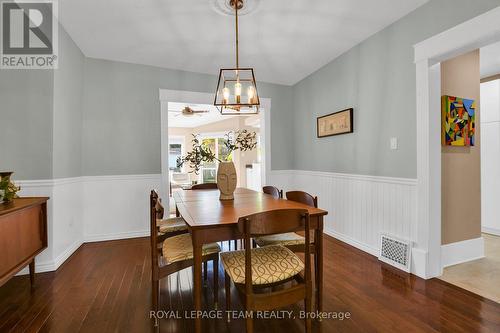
236, 89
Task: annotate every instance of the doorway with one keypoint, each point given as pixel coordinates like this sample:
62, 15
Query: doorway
211, 127
475, 33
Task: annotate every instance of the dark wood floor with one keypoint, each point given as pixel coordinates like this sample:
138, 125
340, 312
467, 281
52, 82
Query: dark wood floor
105, 287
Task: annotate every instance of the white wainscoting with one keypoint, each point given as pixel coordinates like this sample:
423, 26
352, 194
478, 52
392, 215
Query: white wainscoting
117, 207
88, 209
359, 207
64, 219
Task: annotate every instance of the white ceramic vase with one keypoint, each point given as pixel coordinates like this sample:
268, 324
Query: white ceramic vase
226, 180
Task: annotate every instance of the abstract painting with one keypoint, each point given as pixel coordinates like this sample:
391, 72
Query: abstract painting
458, 121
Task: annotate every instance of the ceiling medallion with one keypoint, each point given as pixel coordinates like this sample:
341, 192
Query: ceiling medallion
225, 7
236, 92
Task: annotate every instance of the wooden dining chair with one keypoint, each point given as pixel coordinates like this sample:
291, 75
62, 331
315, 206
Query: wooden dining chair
253, 270
167, 227
273, 191
292, 240
174, 254
205, 186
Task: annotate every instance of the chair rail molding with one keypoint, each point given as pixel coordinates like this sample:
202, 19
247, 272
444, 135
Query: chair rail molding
470, 35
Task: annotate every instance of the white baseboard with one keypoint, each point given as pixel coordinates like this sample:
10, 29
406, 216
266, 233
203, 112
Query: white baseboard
346, 239
115, 236
460, 252
491, 231
52, 265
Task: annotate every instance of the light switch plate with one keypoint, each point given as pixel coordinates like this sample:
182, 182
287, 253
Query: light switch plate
394, 143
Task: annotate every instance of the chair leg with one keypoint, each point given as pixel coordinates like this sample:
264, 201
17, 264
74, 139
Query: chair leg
205, 272
249, 324
227, 284
308, 306
254, 244
215, 269
236, 244
155, 286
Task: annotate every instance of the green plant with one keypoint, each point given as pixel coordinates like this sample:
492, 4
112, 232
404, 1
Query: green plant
8, 190
240, 140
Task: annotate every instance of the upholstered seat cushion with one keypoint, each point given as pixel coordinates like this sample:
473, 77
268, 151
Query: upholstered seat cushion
180, 247
289, 238
171, 225
270, 264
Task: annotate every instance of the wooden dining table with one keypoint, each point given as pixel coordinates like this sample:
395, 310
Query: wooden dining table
213, 220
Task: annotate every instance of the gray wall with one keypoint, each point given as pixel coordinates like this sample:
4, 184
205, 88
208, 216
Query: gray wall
121, 118
26, 123
68, 90
377, 78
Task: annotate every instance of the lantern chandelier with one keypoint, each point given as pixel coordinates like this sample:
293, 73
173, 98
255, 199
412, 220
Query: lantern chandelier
236, 89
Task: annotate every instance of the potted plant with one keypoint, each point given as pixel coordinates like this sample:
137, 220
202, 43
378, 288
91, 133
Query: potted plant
8, 190
242, 140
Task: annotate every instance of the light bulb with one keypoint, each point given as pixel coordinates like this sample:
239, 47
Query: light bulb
237, 92
237, 89
225, 93
251, 94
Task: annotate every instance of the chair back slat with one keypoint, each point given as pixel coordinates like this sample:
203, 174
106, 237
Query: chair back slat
205, 186
302, 197
273, 191
153, 215
273, 222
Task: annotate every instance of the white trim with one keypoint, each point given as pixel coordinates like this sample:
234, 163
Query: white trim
116, 235
464, 251
379, 179
52, 265
491, 231
475, 33
351, 241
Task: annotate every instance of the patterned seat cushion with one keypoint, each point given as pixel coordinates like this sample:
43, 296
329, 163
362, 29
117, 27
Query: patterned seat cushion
180, 247
171, 225
270, 264
289, 238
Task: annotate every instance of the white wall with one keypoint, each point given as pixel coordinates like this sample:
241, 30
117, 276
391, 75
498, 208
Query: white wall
490, 156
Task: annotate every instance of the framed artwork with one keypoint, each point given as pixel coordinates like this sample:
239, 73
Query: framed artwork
336, 123
458, 121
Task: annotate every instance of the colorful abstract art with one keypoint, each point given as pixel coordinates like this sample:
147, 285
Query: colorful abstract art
458, 121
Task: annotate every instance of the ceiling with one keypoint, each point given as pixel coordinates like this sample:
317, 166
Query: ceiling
176, 119
490, 60
284, 40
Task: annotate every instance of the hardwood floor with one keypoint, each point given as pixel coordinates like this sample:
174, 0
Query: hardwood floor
105, 287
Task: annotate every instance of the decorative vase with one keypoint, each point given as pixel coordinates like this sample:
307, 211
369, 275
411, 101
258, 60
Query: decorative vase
226, 180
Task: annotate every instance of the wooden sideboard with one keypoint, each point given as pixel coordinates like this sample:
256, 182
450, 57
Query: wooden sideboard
23, 235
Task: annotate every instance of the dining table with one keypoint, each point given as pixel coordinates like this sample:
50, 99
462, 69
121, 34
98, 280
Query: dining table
212, 220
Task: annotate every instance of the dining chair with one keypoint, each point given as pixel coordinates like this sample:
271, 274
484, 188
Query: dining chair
167, 227
174, 254
205, 186
273, 191
292, 240
254, 269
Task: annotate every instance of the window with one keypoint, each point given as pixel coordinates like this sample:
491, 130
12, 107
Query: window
174, 151
216, 145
